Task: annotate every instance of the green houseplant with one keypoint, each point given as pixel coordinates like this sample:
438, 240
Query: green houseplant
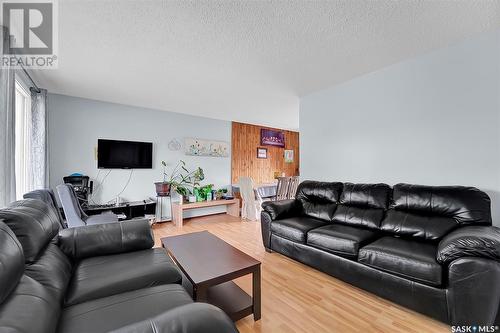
180, 179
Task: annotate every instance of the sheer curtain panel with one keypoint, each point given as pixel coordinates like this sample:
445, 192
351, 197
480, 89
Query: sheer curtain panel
7, 126
39, 140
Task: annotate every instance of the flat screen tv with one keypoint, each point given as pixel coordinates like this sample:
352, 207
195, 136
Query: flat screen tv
114, 154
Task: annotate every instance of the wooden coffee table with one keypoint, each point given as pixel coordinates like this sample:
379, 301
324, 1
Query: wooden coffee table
210, 265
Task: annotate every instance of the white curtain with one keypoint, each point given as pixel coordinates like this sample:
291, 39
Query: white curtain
38, 139
7, 126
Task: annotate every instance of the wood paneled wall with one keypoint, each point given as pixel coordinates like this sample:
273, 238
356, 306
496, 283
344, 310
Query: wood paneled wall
245, 139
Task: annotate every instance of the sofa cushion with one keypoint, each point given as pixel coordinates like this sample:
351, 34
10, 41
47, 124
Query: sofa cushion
430, 228
358, 216
430, 212
113, 274
11, 261
106, 239
410, 259
362, 205
113, 312
30, 308
319, 199
295, 228
53, 270
34, 223
366, 195
340, 239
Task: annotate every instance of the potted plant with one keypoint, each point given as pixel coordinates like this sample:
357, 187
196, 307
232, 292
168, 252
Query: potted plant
220, 193
180, 179
170, 181
190, 180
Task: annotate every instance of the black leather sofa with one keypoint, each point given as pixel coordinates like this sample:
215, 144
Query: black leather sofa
100, 278
429, 248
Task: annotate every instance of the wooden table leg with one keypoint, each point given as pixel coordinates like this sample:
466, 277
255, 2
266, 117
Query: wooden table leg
177, 214
200, 294
256, 293
234, 209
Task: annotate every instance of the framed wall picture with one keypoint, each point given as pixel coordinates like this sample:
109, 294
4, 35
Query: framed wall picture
261, 152
200, 147
288, 156
270, 137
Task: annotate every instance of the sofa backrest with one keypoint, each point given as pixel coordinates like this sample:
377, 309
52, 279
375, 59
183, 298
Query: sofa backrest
319, 199
47, 196
34, 223
11, 261
25, 304
430, 212
362, 205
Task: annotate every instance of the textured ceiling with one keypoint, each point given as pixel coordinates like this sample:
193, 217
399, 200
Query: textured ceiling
248, 61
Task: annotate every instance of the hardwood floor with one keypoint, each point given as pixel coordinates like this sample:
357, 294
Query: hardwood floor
297, 298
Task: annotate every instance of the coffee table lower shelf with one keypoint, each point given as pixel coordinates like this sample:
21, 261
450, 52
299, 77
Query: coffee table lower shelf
233, 300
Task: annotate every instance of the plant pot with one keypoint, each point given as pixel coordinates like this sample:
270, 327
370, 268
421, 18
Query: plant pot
162, 189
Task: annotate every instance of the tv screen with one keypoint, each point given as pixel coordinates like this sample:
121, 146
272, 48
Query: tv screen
113, 154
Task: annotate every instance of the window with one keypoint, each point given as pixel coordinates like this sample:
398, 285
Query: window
22, 149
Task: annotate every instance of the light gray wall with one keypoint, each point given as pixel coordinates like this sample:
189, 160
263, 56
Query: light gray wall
430, 120
75, 124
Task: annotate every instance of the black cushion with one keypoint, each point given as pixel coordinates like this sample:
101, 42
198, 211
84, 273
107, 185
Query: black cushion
366, 195
30, 308
473, 241
34, 223
466, 205
113, 274
340, 239
425, 227
295, 228
11, 261
192, 318
319, 199
53, 270
110, 313
357, 216
109, 238
430, 212
362, 205
410, 259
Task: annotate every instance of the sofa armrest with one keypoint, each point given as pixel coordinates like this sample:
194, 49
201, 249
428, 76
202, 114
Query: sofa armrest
103, 239
473, 291
281, 209
473, 241
192, 318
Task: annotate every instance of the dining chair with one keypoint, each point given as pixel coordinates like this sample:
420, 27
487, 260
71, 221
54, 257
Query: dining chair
75, 216
292, 187
251, 205
282, 189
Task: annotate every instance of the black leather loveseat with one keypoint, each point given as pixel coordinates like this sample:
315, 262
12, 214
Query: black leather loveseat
429, 248
98, 278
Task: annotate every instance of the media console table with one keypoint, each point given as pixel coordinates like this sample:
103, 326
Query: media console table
130, 209
233, 208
